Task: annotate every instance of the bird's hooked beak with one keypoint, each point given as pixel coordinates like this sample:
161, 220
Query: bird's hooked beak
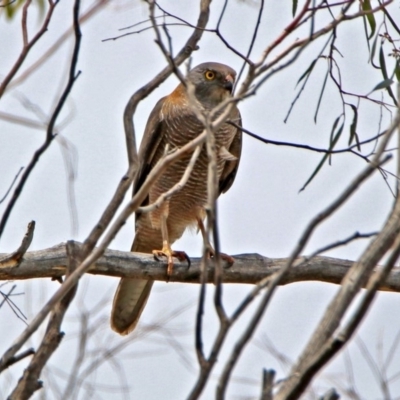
228, 82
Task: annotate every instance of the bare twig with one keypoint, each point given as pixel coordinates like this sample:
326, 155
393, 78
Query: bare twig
207, 366
14, 119
307, 147
272, 282
333, 344
15, 258
14, 308
200, 307
85, 16
21, 356
28, 44
262, 67
331, 394
11, 185
69, 154
94, 255
252, 41
324, 338
29, 387
342, 242
267, 384
29, 382
50, 128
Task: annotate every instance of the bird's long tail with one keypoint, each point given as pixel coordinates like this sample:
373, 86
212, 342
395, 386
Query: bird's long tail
132, 294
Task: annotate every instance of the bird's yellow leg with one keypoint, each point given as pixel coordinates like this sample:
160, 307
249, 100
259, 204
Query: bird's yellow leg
166, 249
210, 250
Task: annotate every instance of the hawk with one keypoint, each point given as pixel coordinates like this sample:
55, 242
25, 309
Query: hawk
172, 124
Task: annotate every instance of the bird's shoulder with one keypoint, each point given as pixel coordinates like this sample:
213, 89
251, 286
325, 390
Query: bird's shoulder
175, 103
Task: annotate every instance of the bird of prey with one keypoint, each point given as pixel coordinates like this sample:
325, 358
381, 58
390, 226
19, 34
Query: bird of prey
172, 124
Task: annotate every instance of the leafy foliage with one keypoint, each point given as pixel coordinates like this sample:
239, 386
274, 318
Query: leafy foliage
11, 7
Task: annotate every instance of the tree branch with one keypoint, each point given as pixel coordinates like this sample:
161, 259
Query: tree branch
247, 269
50, 134
12, 260
28, 44
29, 381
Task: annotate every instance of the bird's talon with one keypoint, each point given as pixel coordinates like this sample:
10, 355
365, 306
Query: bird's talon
180, 255
229, 260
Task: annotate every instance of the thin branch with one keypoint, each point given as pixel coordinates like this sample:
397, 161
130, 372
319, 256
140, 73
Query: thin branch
15, 258
73, 75
324, 338
272, 282
253, 39
14, 119
267, 384
307, 147
21, 356
27, 44
286, 32
94, 255
260, 68
29, 383
343, 242
11, 185
200, 308
335, 343
14, 308
331, 394
86, 15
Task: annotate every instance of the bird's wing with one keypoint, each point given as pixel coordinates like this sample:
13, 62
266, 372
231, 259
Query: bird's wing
132, 294
229, 173
152, 137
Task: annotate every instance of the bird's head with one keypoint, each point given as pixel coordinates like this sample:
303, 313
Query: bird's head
213, 83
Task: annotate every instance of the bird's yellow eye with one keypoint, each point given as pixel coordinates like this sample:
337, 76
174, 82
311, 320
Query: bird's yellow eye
210, 75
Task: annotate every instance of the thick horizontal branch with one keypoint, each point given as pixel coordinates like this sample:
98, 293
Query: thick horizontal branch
248, 268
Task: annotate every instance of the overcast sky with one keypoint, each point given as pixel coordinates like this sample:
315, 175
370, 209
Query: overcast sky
263, 212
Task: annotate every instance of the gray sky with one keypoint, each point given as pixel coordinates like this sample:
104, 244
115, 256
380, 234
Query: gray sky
262, 213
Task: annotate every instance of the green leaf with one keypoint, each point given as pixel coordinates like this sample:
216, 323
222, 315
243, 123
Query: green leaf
320, 96
385, 75
382, 85
397, 70
42, 7
11, 7
332, 144
366, 6
294, 7
9, 11
332, 135
373, 49
353, 127
307, 71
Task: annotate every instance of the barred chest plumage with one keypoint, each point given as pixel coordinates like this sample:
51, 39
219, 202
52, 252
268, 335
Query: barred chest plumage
182, 126
178, 129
